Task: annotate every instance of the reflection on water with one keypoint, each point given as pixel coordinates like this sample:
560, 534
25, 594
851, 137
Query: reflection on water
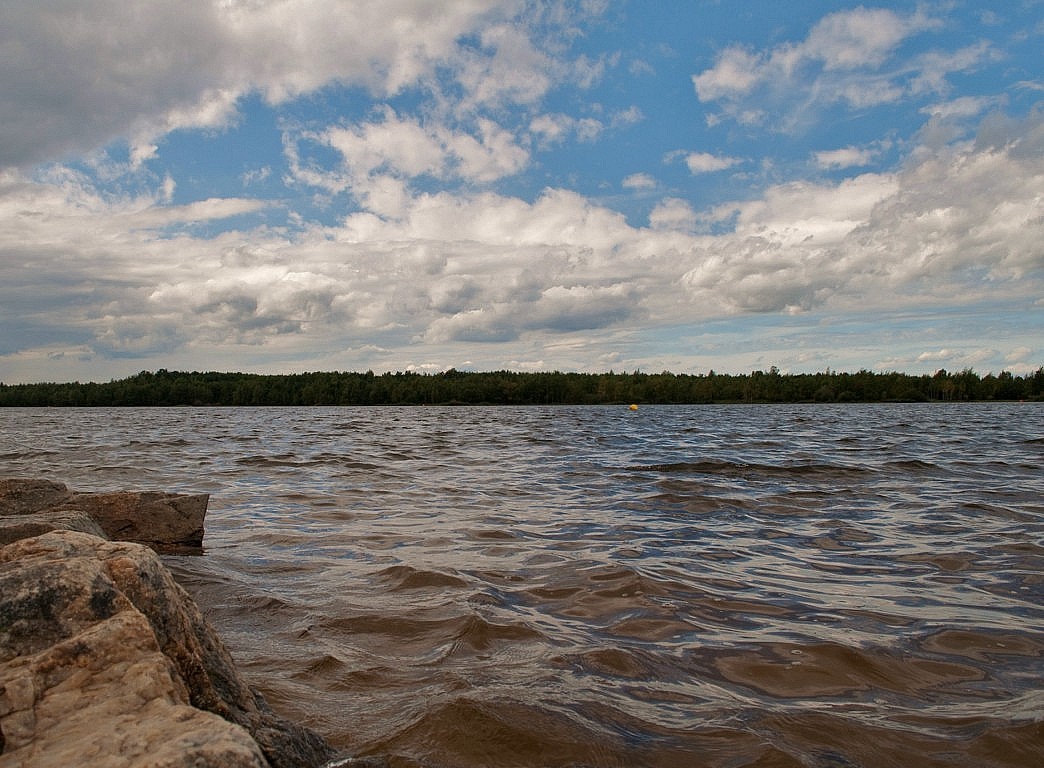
677, 586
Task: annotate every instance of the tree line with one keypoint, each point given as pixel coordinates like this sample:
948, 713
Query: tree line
170, 388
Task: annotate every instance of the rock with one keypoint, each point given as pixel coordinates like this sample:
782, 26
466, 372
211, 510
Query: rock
25, 526
83, 680
96, 638
205, 665
164, 521
20, 496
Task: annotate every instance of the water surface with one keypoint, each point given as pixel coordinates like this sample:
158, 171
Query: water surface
676, 586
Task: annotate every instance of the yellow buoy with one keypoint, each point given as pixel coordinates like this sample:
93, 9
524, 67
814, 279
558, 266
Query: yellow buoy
634, 407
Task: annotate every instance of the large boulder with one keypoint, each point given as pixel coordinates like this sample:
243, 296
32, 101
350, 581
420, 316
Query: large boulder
106, 661
83, 678
164, 521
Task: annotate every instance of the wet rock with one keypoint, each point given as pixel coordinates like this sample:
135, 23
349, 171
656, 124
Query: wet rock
83, 679
106, 661
164, 521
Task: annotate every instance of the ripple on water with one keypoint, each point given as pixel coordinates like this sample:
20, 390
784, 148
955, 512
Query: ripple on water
685, 586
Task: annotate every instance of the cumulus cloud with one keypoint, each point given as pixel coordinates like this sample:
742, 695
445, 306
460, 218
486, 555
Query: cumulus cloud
850, 56
638, 181
954, 358
558, 309
550, 129
702, 162
940, 228
75, 80
405, 147
506, 68
847, 157
380, 159
673, 213
937, 355
843, 41
93, 274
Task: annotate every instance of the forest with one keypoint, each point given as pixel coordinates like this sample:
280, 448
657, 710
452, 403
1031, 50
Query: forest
454, 387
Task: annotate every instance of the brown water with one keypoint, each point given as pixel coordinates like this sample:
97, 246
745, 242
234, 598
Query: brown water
678, 586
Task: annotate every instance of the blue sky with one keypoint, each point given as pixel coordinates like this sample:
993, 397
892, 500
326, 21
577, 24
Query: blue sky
497, 184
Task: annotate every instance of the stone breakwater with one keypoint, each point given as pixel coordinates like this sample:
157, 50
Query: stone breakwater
104, 659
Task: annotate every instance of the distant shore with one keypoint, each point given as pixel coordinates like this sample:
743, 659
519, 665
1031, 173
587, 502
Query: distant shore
453, 387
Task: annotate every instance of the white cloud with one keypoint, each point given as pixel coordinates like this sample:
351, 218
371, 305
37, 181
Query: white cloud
558, 309
96, 275
507, 68
1019, 355
379, 159
257, 175
954, 359
639, 181
550, 129
937, 355
641, 67
588, 129
74, 81
702, 162
963, 107
850, 56
630, 116
674, 214
957, 224
862, 37
399, 146
933, 68
735, 73
406, 148
847, 157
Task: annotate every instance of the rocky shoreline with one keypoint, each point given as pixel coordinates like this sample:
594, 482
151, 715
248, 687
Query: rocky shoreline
104, 659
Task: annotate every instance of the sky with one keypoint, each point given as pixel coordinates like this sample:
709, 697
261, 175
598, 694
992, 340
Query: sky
281, 186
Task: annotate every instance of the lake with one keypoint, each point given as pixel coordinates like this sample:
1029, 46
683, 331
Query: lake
778, 585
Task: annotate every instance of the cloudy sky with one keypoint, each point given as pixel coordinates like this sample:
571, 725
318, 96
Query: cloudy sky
292, 185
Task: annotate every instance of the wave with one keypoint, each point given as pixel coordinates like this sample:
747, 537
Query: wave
402, 577
743, 468
829, 670
467, 730
912, 465
279, 460
454, 633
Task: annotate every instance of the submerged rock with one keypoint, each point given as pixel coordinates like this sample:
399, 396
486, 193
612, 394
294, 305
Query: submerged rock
106, 661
